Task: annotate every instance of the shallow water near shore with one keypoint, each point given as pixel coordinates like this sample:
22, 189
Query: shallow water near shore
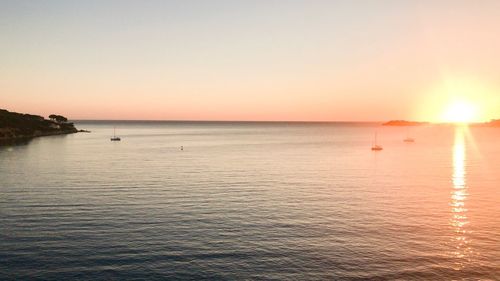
282, 201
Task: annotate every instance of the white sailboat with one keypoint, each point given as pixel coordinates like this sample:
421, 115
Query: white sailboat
114, 137
375, 146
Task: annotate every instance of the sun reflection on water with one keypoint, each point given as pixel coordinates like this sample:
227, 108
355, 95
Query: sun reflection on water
459, 194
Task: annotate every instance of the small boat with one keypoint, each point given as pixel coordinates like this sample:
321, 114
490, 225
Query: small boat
114, 137
375, 146
408, 138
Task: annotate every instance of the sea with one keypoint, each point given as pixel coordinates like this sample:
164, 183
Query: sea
252, 201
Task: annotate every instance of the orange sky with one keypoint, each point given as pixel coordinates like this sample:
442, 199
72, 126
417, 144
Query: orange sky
250, 60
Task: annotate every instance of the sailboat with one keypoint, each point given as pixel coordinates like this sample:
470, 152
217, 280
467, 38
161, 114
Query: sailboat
375, 146
114, 137
408, 138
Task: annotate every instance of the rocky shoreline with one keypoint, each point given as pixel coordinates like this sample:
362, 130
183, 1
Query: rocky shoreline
12, 138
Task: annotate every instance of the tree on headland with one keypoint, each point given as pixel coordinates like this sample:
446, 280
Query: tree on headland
58, 118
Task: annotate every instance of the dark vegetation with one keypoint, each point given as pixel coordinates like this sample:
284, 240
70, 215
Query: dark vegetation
58, 118
22, 126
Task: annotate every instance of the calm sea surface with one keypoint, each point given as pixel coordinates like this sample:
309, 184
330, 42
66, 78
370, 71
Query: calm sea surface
252, 201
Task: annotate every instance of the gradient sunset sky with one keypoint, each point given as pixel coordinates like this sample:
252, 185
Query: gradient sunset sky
250, 60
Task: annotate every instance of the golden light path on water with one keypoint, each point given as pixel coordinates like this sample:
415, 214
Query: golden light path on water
459, 194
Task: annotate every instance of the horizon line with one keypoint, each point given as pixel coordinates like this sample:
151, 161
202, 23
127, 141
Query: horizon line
278, 121
218, 120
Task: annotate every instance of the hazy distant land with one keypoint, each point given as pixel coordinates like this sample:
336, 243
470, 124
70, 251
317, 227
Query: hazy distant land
404, 123
492, 123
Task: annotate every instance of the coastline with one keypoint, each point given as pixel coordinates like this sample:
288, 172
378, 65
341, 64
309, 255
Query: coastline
24, 138
18, 127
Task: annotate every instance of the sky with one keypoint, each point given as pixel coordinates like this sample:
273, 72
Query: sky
310, 60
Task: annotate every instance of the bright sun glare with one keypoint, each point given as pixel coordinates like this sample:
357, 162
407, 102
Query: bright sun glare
460, 112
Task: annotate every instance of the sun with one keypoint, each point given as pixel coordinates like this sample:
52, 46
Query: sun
460, 112
459, 99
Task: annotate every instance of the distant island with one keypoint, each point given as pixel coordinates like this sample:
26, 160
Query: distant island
492, 123
404, 123
18, 126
